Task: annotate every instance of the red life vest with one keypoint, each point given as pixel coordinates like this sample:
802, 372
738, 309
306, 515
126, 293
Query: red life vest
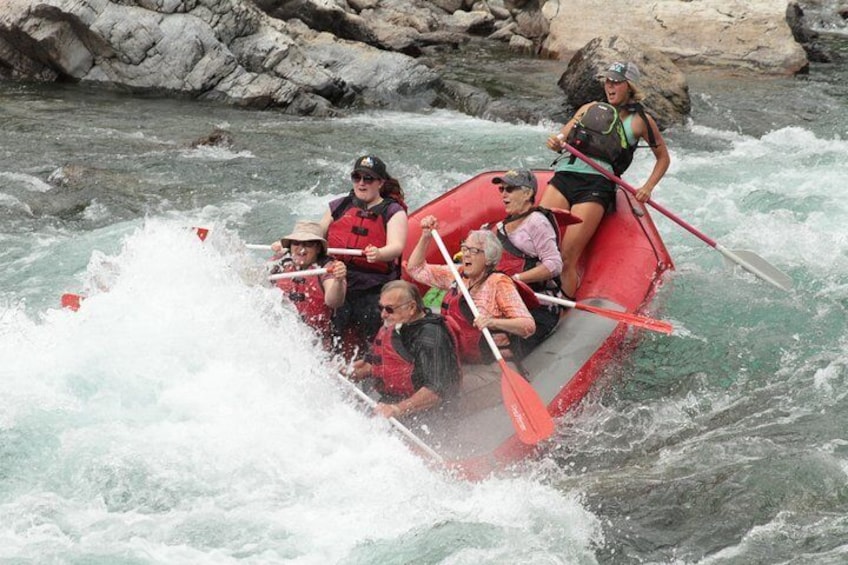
307, 295
354, 227
460, 320
389, 366
393, 365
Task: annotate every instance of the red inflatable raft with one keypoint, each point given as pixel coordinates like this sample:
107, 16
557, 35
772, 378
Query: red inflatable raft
621, 270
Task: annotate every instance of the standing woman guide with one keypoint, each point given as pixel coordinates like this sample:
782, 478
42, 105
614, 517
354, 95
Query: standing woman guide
587, 193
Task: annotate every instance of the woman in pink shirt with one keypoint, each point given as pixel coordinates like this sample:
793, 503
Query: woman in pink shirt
500, 306
530, 237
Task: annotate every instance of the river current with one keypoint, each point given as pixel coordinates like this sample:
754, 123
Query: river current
184, 416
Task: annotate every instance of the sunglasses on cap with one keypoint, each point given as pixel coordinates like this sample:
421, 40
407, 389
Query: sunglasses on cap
367, 179
391, 309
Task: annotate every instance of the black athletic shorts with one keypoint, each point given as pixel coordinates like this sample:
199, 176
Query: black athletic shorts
584, 187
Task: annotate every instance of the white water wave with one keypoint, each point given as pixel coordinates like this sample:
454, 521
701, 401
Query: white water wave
29, 182
184, 415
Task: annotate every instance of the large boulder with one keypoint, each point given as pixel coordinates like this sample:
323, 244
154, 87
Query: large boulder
805, 35
662, 83
746, 34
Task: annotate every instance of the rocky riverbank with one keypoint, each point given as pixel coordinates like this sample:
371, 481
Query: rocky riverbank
311, 57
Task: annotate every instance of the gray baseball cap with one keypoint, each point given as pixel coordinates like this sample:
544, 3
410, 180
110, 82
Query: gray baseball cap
620, 71
517, 177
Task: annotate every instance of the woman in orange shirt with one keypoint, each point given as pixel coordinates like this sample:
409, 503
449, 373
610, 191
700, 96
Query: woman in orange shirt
495, 295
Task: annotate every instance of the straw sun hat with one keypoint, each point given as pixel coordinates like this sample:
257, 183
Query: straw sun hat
305, 231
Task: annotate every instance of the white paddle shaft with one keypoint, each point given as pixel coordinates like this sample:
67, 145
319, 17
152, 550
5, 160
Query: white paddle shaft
295, 274
330, 251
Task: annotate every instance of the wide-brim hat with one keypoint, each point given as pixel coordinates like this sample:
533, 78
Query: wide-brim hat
305, 231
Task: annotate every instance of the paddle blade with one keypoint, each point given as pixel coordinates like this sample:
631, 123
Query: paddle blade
529, 415
633, 319
71, 301
201, 233
759, 267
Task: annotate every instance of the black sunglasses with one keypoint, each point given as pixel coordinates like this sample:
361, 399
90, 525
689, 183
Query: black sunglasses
367, 179
391, 309
304, 243
508, 188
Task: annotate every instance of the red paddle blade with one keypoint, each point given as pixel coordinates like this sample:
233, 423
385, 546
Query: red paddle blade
564, 218
201, 233
633, 319
529, 415
71, 301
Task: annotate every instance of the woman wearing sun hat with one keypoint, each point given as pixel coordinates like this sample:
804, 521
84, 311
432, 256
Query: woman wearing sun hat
585, 192
315, 297
372, 217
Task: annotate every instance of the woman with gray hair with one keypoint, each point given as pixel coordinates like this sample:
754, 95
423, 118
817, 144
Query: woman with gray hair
498, 301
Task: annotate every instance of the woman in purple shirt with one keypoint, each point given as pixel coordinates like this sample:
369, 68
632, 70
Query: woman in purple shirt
530, 237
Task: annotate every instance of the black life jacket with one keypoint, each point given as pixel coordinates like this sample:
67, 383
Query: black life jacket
599, 133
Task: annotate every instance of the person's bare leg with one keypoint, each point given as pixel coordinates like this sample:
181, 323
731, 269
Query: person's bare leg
575, 240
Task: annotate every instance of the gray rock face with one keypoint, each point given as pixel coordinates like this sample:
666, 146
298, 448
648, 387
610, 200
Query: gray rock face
223, 50
738, 34
318, 57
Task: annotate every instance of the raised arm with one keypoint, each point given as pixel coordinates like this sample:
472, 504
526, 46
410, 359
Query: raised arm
419, 252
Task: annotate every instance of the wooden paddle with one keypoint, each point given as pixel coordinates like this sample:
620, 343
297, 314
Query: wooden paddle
529, 415
632, 319
748, 260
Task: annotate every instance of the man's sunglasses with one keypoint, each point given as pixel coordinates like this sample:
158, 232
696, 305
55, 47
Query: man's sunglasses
367, 179
391, 309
